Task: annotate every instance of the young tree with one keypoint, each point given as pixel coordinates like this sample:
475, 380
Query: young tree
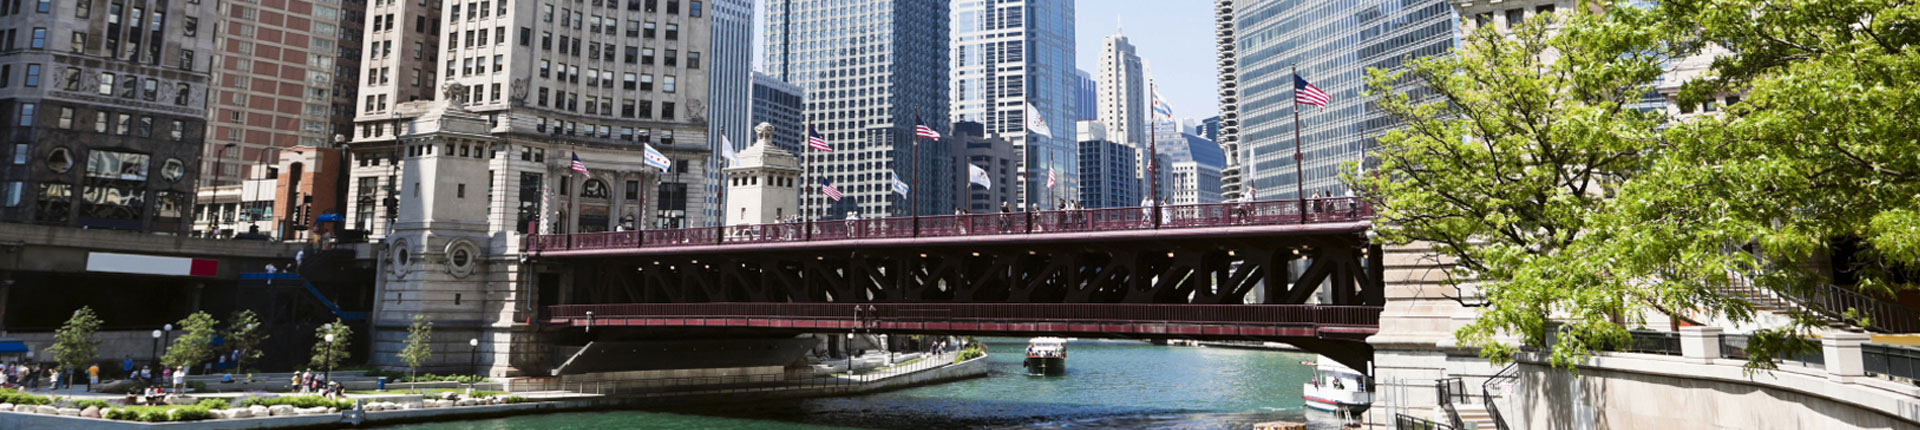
195, 343
419, 344
1503, 165
73, 344
329, 354
244, 338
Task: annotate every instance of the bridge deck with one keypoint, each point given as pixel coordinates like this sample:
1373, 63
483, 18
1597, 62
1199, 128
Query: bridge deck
1275, 322
1309, 217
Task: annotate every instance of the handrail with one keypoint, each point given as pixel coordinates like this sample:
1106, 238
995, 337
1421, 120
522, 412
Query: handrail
1268, 212
1408, 422
1511, 372
1448, 389
1833, 302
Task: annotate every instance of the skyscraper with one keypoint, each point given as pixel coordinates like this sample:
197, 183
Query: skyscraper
1267, 38
1123, 88
869, 67
780, 104
105, 111
1192, 165
1109, 176
1210, 128
1009, 55
1086, 96
731, 74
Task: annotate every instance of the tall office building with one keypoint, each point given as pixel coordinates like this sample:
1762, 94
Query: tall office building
1123, 89
105, 111
1109, 177
1009, 55
1086, 97
780, 104
1210, 128
1333, 45
732, 77
1227, 64
1192, 165
996, 156
868, 68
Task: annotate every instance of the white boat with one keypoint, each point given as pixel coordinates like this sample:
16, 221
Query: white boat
1046, 356
1337, 388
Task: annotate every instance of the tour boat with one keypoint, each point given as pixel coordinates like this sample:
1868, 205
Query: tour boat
1046, 356
1337, 388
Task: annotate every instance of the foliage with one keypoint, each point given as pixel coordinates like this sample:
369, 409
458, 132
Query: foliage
516, 399
159, 414
971, 352
194, 345
298, 402
213, 403
245, 335
9, 395
85, 403
395, 376
330, 354
73, 344
419, 343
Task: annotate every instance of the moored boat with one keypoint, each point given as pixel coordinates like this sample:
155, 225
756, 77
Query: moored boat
1046, 356
1337, 388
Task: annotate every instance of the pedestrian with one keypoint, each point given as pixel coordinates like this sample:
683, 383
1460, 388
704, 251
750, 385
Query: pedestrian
53, 379
180, 379
93, 376
126, 365
293, 382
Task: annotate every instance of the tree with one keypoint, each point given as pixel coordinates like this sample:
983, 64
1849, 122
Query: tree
330, 354
419, 344
1503, 165
244, 338
195, 343
73, 343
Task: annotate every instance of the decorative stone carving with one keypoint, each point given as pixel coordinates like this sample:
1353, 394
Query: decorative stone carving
455, 95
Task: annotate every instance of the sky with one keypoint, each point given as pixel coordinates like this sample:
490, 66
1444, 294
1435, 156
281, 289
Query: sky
1174, 37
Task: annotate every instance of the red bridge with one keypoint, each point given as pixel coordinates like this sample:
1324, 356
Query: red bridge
1181, 272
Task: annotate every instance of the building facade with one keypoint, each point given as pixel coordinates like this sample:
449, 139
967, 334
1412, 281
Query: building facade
997, 156
105, 109
486, 153
1332, 45
1190, 165
1122, 85
780, 104
869, 68
1086, 97
732, 77
1108, 169
279, 73
1009, 56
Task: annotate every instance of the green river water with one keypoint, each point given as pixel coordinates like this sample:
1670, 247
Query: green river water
1108, 384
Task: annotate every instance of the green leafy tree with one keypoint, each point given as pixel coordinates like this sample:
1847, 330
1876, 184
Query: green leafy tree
194, 345
244, 337
73, 344
419, 344
330, 354
1521, 141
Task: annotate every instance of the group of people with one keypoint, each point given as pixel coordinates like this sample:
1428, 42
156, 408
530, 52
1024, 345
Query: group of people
306, 381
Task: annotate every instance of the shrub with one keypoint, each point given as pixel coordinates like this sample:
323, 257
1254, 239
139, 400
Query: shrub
84, 403
8, 395
969, 354
445, 378
212, 403
159, 414
298, 402
192, 413
515, 399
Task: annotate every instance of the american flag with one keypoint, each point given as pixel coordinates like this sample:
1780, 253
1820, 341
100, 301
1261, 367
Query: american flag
816, 141
579, 166
826, 187
1050, 177
922, 130
1307, 94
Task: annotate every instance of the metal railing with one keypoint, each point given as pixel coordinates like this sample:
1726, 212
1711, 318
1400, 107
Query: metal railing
1509, 373
1407, 422
1734, 346
1832, 302
1891, 360
1451, 390
1640, 341
704, 385
1358, 316
1272, 212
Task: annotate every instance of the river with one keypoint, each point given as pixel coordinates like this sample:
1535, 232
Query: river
1108, 384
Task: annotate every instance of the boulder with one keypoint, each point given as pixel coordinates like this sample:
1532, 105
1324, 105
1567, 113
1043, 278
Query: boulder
6, 406
316, 410
220, 414
280, 410
71, 412
46, 410
240, 413
91, 412
23, 408
257, 410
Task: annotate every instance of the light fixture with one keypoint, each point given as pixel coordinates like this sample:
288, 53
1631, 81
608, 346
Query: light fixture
156, 334
473, 342
1169, 254
1229, 253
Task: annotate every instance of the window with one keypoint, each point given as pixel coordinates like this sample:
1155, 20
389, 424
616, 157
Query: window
693, 8
26, 114
106, 83
82, 9
20, 153
1515, 17
630, 81
33, 76
667, 84
186, 59
666, 112
179, 131
646, 56
78, 43
646, 82
649, 31
191, 26
673, 6
39, 38
672, 58
693, 59
66, 118
673, 31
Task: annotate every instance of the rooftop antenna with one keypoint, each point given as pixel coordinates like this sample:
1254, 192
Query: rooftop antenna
1118, 26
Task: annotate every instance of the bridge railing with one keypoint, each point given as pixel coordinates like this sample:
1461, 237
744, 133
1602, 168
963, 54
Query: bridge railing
1357, 316
1272, 212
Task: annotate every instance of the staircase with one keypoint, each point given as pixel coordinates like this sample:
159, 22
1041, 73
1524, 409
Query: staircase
1474, 416
1830, 304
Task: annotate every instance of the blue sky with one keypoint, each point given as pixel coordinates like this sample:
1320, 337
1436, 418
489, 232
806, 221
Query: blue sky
1175, 37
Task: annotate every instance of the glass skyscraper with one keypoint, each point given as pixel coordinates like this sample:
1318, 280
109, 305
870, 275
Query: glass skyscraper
1010, 54
868, 67
1333, 43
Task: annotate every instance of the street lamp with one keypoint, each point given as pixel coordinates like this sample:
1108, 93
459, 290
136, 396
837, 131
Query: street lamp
156, 348
329, 338
473, 357
214, 181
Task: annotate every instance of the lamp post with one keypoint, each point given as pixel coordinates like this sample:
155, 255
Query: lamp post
329, 338
156, 348
473, 356
166, 336
214, 181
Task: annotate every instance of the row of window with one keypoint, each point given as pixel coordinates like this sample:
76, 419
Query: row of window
14, 7
629, 108
602, 131
104, 122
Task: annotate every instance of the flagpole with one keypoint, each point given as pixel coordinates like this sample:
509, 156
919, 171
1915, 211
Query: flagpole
1153, 166
720, 196
1299, 180
913, 192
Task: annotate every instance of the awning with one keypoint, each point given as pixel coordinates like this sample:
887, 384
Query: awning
12, 346
330, 218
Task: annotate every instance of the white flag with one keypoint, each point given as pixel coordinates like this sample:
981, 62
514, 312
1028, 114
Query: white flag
1037, 124
726, 151
654, 158
978, 176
